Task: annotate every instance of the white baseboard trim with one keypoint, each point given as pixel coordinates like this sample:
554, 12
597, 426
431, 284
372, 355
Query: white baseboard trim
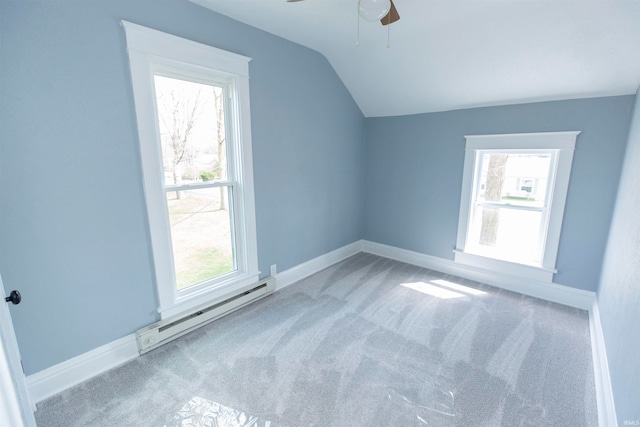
547, 291
59, 377
314, 265
604, 392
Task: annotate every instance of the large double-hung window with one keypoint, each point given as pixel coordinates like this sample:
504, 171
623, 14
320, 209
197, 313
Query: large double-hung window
513, 198
192, 106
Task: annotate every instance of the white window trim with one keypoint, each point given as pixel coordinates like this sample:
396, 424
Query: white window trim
564, 143
151, 50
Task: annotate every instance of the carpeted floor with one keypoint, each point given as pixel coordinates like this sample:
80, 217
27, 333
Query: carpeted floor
366, 342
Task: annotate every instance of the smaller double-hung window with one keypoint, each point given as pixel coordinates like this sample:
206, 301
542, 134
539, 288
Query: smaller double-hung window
513, 197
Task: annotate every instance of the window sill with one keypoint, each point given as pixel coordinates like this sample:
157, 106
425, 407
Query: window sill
524, 271
191, 298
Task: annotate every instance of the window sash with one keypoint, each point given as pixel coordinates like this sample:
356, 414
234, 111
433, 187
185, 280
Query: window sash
474, 247
210, 77
237, 258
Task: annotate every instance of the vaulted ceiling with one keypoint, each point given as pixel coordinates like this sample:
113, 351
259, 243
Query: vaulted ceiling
453, 54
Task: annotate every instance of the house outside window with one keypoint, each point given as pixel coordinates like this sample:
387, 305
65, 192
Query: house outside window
512, 204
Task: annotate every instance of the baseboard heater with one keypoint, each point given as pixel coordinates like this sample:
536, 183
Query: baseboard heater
173, 327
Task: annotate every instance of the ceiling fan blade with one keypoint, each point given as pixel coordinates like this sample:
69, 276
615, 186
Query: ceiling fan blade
392, 16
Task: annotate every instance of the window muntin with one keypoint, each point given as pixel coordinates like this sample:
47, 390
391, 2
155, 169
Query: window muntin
530, 202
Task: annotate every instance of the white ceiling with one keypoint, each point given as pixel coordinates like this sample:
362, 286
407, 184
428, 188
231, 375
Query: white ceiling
452, 54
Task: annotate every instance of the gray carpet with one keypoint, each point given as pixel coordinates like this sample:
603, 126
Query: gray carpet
366, 342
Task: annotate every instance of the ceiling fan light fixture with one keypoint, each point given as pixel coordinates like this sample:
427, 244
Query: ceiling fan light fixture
373, 10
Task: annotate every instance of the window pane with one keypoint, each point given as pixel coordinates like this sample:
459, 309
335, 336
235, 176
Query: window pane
517, 179
509, 234
192, 134
200, 234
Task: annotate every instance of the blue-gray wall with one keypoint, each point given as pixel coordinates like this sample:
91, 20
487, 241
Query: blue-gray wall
73, 233
413, 176
619, 290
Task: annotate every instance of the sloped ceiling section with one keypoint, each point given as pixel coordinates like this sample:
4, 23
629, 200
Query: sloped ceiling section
455, 54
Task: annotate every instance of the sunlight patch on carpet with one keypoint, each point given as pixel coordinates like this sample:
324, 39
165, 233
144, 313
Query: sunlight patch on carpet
457, 287
434, 291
